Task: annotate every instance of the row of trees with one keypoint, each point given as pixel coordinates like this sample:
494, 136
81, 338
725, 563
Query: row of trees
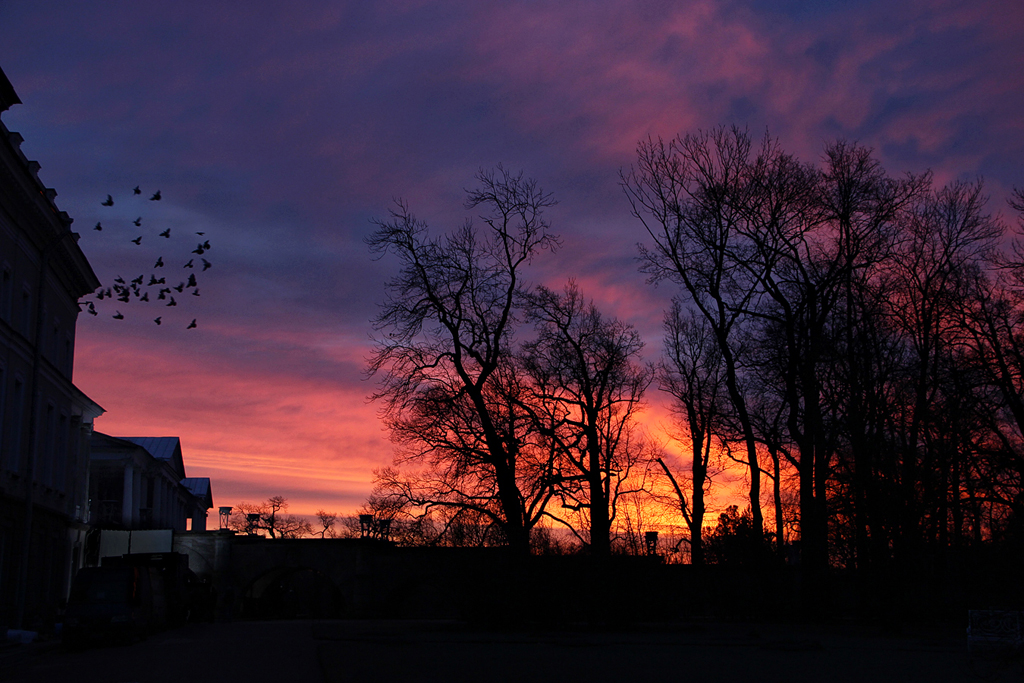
851, 338
853, 335
270, 518
490, 428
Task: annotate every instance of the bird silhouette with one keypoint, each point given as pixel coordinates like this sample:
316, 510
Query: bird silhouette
189, 264
200, 233
100, 295
195, 292
179, 287
172, 302
99, 226
162, 295
191, 280
207, 265
137, 221
125, 298
157, 319
137, 190
92, 309
144, 297
159, 262
206, 245
137, 240
152, 281
119, 280
199, 250
166, 233
191, 325
155, 197
138, 280
118, 316
109, 202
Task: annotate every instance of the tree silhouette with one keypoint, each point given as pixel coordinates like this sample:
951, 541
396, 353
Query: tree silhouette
586, 386
443, 356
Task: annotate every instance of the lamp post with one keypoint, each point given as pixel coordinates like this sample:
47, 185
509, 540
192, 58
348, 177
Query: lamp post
225, 518
366, 525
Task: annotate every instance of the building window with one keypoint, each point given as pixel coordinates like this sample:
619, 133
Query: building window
55, 345
45, 465
26, 313
6, 292
13, 458
69, 356
60, 456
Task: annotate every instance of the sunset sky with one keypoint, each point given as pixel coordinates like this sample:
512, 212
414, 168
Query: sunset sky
280, 129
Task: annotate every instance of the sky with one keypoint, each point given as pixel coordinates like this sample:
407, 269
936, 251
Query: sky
280, 130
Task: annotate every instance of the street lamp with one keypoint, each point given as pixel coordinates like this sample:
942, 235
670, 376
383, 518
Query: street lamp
225, 517
366, 525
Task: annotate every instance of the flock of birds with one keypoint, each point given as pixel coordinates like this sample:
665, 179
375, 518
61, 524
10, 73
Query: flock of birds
138, 289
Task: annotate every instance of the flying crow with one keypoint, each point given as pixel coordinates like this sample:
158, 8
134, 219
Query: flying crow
109, 202
155, 197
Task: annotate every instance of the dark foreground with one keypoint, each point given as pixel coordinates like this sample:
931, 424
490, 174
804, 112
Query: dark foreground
383, 651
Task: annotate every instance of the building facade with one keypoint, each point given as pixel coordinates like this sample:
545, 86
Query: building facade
45, 421
139, 483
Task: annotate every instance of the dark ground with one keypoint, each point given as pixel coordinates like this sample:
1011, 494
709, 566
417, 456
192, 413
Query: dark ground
426, 651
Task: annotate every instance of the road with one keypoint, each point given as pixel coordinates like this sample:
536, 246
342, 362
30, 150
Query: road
423, 652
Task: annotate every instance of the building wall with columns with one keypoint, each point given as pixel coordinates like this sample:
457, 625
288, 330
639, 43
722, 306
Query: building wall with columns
140, 483
45, 421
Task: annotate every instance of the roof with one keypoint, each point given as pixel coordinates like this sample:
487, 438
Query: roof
200, 488
165, 448
7, 95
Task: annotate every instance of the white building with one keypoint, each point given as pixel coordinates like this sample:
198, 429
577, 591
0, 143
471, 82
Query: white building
139, 482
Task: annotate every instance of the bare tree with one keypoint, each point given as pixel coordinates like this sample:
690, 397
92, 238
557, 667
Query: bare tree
270, 519
326, 520
586, 384
444, 349
691, 372
688, 195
